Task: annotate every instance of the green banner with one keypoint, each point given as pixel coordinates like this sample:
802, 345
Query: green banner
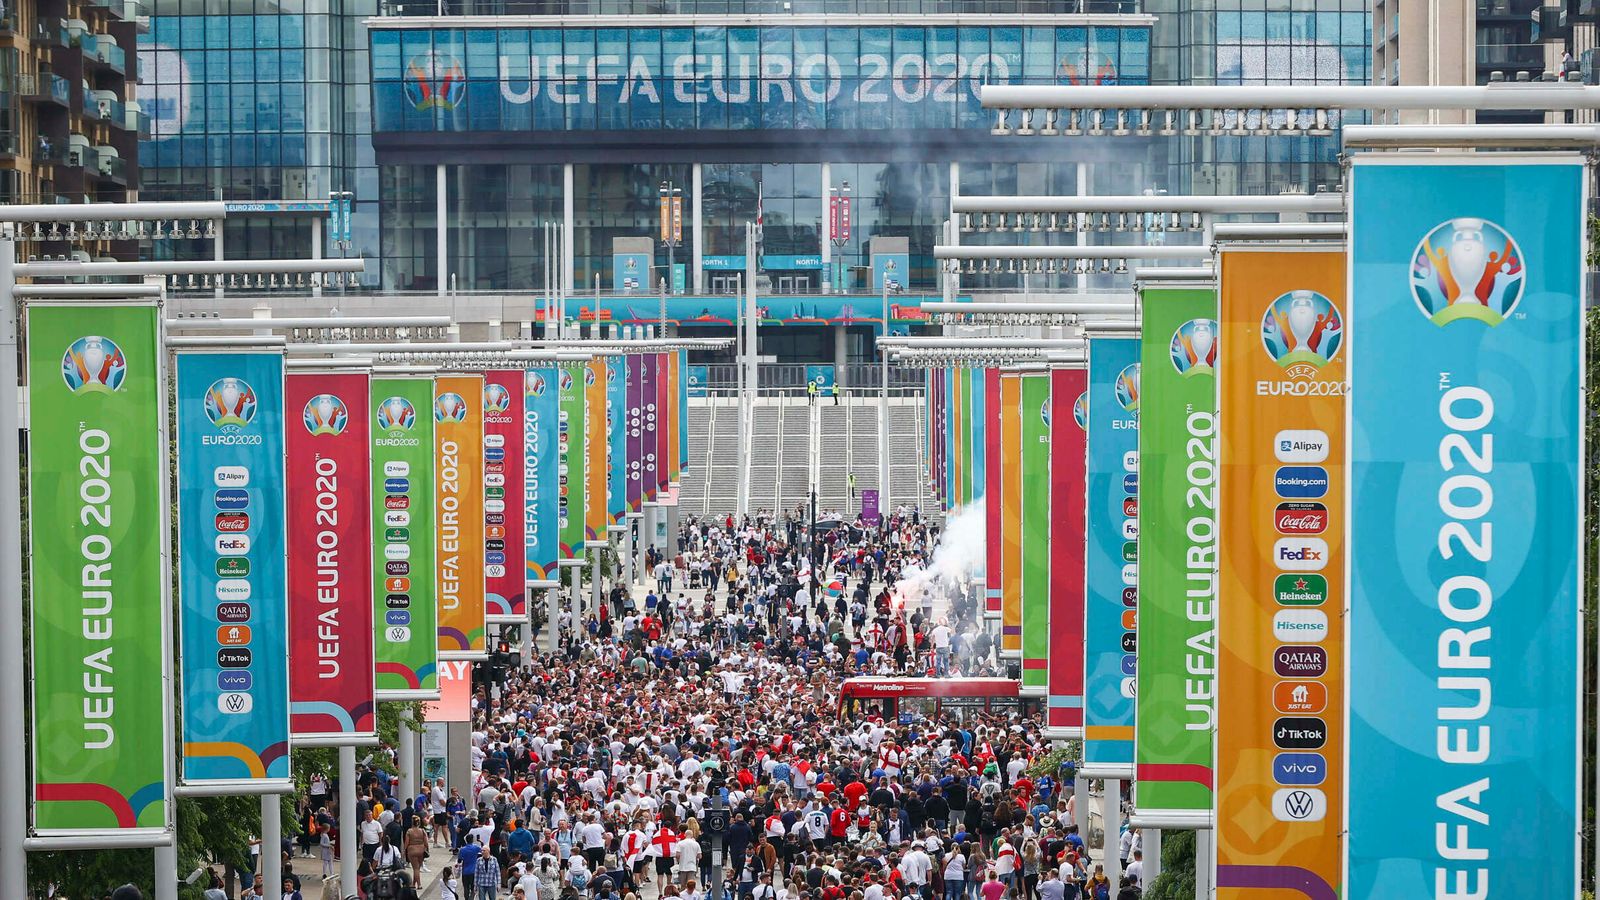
1176, 572
571, 519
404, 613
97, 497
1035, 457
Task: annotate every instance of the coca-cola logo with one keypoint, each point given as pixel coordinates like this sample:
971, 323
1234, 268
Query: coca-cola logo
1300, 518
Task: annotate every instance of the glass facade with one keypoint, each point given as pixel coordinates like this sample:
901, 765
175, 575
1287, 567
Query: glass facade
728, 78
257, 100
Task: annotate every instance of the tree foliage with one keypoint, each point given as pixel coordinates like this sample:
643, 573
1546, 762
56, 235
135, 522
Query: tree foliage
1176, 881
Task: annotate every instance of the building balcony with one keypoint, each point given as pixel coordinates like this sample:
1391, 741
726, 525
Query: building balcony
109, 167
50, 31
103, 109
49, 152
117, 8
45, 87
1513, 57
102, 50
1550, 23
1586, 11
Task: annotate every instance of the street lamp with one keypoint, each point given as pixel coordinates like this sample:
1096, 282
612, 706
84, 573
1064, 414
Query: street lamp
671, 224
838, 227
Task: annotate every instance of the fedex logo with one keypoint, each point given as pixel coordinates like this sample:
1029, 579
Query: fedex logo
1300, 554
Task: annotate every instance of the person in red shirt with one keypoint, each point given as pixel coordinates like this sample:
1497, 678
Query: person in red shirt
853, 792
838, 824
826, 787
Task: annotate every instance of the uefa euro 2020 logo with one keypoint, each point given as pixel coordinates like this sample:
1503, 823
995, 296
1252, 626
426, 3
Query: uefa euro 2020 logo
1080, 410
1194, 348
1128, 388
588, 377
1302, 331
496, 399
396, 414
230, 403
449, 407
1467, 269
435, 81
93, 364
536, 384
326, 414
566, 381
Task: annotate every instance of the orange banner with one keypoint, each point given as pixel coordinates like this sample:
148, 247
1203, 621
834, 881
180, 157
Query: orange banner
458, 510
1010, 463
1280, 731
595, 450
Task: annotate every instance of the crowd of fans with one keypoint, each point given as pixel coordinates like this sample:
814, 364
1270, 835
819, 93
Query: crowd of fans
688, 744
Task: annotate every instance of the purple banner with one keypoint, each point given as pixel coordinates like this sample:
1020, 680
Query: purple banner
869, 505
635, 431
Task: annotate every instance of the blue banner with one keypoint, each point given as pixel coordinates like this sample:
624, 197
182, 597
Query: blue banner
630, 273
698, 379
891, 270
975, 406
822, 376
1111, 599
1464, 656
234, 631
541, 491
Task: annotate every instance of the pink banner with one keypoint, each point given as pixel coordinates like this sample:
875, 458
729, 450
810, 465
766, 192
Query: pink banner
1069, 412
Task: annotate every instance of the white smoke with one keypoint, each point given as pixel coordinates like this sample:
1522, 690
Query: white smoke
956, 559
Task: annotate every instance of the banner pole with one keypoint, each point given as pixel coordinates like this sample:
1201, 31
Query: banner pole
166, 882
272, 845
552, 625
349, 828
13, 688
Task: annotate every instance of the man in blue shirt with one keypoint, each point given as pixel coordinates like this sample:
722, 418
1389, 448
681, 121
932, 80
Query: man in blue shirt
469, 857
520, 841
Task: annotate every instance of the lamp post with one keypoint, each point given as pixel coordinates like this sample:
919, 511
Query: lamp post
671, 225
839, 227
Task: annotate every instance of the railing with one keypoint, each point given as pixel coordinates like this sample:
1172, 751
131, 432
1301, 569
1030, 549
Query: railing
111, 111
792, 377
115, 56
45, 87
1549, 23
50, 31
734, 7
1521, 56
48, 151
114, 167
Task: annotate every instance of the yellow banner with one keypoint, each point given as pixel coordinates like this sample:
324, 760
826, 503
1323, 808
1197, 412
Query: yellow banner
459, 497
1010, 463
1280, 733
595, 452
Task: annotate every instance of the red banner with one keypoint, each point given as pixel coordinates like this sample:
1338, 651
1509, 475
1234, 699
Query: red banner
1069, 422
505, 563
328, 492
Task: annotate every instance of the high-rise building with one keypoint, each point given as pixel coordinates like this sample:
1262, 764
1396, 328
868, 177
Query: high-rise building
69, 126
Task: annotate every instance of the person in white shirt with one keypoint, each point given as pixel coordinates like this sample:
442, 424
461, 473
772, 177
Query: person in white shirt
916, 868
1135, 871
687, 854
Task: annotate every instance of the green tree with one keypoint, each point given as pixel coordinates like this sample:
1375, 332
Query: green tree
1176, 881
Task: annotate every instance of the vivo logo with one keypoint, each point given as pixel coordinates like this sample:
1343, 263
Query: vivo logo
1299, 768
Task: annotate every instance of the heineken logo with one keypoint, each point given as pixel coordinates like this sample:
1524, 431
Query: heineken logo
1300, 589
